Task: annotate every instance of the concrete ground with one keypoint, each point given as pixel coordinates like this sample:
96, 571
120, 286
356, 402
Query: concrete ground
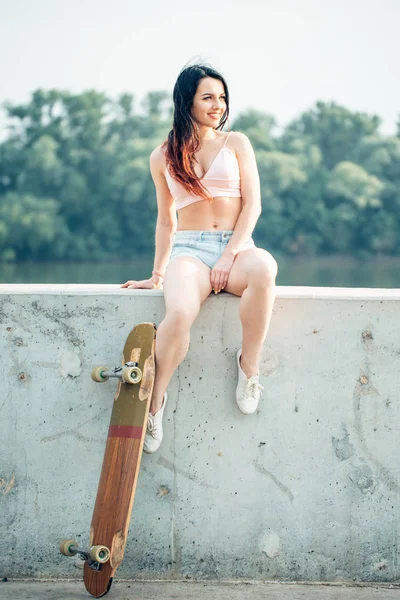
132, 590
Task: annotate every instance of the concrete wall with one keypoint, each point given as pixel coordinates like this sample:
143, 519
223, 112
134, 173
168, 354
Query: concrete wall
306, 489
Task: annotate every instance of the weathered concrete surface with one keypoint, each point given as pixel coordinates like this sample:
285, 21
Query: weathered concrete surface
306, 489
133, 590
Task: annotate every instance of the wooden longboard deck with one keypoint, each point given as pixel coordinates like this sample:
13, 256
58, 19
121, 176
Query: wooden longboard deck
121, 463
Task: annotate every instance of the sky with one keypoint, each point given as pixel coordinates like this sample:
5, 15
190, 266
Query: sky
278, 56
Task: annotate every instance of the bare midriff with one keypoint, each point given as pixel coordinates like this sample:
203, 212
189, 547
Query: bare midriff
220, 215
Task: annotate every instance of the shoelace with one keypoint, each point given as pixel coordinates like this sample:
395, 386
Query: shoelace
152, 425
253, 384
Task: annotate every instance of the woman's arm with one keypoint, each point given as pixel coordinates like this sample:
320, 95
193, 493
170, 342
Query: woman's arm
166, 222
166, 218
251, 194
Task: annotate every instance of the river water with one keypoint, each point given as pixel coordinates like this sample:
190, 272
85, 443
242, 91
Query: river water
333, 271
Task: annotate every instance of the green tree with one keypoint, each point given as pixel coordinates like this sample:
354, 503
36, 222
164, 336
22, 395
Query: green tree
335, 130
28, 225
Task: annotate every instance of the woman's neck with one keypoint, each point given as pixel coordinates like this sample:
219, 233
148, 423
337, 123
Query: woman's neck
207, 133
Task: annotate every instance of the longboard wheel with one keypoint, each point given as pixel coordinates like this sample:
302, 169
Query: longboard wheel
65, 547
96, 374
131, 375
100, 554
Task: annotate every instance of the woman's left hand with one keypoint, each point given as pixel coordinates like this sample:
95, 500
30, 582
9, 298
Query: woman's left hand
220, 273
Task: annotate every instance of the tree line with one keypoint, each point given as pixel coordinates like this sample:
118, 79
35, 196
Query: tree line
75, 182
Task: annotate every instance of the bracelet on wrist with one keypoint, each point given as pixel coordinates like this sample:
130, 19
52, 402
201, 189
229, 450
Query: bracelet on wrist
157, 273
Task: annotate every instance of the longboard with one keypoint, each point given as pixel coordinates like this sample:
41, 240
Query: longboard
121, 463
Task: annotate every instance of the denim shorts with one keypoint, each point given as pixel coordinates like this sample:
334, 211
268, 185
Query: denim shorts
204, 245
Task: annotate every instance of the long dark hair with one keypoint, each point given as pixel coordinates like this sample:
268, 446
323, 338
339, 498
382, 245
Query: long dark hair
184, 138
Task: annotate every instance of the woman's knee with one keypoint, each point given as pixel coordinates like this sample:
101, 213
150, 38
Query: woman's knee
264, 268
181, 317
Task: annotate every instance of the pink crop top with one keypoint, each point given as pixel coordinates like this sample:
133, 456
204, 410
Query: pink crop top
221, 179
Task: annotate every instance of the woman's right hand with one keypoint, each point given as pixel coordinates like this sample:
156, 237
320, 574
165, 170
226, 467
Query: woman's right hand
154, 283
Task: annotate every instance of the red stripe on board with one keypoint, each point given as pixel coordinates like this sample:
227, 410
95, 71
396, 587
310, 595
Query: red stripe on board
125, 431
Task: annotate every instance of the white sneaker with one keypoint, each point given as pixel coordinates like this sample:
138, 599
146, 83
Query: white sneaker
154, 430
248, 390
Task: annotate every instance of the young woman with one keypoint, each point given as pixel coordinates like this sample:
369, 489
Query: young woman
210, 177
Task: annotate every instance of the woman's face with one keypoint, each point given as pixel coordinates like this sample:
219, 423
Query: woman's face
209, 102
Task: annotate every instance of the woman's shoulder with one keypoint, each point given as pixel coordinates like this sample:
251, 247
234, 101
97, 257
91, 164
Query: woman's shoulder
238, 136
239, 142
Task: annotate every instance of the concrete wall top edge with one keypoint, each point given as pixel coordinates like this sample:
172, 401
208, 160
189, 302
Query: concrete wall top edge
295, 292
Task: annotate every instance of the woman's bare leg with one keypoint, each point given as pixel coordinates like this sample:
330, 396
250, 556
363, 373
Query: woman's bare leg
253, 278
255, 314
186, 286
